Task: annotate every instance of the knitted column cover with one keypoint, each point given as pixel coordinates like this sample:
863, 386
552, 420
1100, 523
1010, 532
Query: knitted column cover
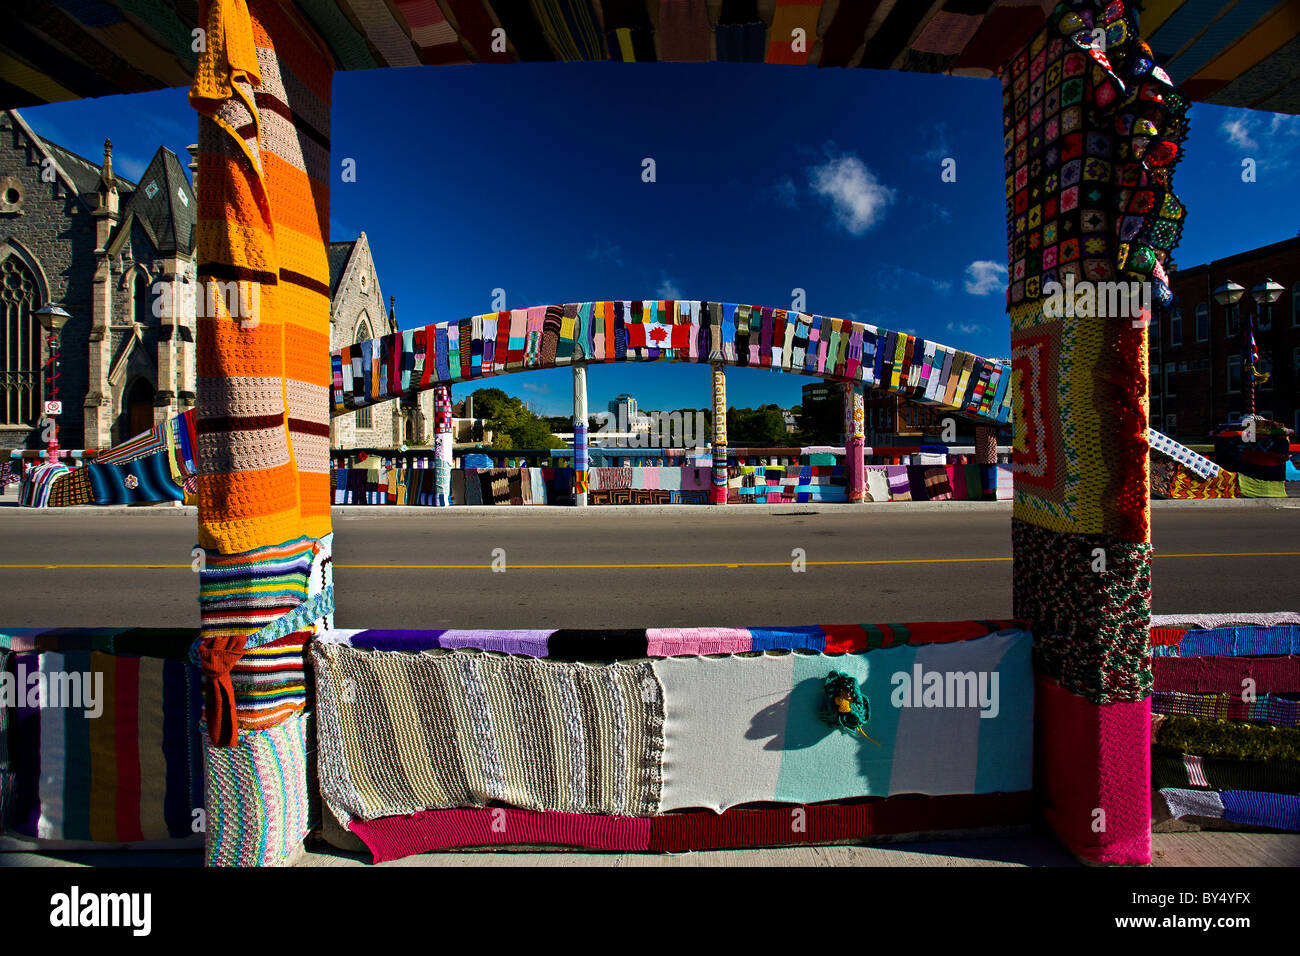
718, 493
1091, 139
581, 455
854, 442
262, 92
442, 439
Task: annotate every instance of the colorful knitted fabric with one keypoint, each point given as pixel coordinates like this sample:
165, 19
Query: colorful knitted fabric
117, 759
1275, 811
258, 805
1265, 708
720, 333
1186, 484
1199, 465
461, 729
1091, 626
1231, 641
262, 90
240, 594
599, 645
391, 838
72, 488
38, 484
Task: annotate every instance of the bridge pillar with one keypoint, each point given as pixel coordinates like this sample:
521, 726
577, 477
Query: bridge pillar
855, 442
718, 494
442, 441
581, 458
986, 456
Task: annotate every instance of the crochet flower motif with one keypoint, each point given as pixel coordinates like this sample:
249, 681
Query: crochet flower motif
131, 481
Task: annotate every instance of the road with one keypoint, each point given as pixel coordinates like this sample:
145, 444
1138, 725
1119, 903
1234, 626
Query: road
433, 569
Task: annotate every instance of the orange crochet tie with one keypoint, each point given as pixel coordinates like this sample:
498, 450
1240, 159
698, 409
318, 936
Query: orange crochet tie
216, 658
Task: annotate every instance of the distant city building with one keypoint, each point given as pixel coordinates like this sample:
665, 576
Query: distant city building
1195, 348
625, 415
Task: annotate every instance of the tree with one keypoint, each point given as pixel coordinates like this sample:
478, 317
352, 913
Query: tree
513, 425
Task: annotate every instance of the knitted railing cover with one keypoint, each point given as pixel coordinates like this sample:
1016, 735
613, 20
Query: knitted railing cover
722, 333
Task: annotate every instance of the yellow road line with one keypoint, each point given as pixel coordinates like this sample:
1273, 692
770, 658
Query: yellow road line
631, 567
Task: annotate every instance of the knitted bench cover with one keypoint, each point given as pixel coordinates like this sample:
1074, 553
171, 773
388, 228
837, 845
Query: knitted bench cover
401, 732
463, 728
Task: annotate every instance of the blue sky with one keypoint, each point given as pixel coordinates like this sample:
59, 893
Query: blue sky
767, 180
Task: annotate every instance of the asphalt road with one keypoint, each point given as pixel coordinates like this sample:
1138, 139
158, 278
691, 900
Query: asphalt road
732, 570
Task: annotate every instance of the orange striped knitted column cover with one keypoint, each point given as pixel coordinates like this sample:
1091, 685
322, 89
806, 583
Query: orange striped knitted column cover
262, 91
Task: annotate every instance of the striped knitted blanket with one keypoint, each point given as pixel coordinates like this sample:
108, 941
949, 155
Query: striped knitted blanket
402, 732
101, 741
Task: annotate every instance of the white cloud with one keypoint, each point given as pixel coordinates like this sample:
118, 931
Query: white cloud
966, 328
536, 387
668, 289
1238, 131
1272, 135
940, 149
857, 198
984, 277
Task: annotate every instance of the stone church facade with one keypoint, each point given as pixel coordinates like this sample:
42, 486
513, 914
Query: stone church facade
120, 258
74, 233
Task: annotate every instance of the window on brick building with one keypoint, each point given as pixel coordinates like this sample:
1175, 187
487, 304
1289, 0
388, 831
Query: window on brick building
1266, 365
1202, 322
20, 344
1176, 327
1170, 370
1234, 373
1233, 313
1264, 318
1295, 304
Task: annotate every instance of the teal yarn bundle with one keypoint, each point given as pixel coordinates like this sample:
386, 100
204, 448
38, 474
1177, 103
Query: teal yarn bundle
846, 707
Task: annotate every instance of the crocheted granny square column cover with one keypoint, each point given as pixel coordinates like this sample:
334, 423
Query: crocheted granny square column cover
1093, 130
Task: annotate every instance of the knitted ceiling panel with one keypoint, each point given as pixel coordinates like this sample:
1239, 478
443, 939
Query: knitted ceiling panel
1231, 53
671, 330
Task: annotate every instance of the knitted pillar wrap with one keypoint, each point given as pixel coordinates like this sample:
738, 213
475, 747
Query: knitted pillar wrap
442, 446
854, 442
718, 494
1097, 758
258, 809
262, 91
1091, 140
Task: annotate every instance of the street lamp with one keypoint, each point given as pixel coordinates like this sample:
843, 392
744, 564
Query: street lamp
52, 318
1229, 294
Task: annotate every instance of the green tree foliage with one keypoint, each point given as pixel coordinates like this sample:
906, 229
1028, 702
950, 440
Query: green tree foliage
762, 427
513, 425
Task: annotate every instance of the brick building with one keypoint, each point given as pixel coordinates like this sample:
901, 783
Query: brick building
1196, 379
